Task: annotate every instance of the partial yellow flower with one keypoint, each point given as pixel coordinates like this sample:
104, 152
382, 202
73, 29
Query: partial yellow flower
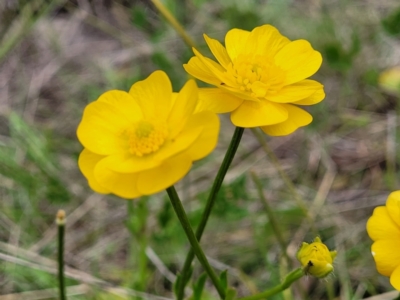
383, 228
260, 78
316, 258
144, 141
389, 80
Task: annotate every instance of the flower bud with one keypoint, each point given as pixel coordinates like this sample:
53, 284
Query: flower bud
316, 258
60, 217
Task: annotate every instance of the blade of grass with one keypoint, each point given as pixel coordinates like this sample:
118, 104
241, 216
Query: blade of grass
30, 14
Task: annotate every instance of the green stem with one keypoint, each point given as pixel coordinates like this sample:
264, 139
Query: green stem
229, 155
60, 220
183, 219
174, 23
288, 182
136, 224
271, 216
287, 282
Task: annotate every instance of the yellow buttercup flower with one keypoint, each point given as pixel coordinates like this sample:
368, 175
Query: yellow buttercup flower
316, 258
389, 80
144, 141
383, 228
260, 78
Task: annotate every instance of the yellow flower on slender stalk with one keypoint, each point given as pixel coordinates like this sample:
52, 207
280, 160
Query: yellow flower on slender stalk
316, 258
144, 141
383, 228
261, 78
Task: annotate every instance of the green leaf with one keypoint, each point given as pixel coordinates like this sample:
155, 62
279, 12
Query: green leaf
177, 283
223, 277
180, 280
199, 286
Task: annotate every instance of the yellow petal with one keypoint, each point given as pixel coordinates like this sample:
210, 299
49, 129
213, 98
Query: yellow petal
320, 269
295, 92
183, 107
235, 41
393, 206
299, 60
380, 225
207, 140
199, 70
128, 163
123, 185
254, 114
395, 278
297, 117
259, 89
216, 69
235, 91
217, 100
87, 162
315, 98
179, 143
386, 255
171, 171
105, 120
218, 51
153, 95
265, 40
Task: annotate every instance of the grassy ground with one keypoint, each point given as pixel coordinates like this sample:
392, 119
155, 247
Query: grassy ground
57, 56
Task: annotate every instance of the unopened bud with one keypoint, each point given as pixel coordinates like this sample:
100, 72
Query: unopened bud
60, 217
316, 258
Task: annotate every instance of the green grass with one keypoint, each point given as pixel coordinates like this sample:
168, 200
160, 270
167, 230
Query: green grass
63, 58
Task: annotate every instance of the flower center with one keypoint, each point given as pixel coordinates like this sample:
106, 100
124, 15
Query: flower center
146, 137
256, 74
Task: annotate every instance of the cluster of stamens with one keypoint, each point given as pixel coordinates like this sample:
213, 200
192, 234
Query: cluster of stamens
257, 75
146, 137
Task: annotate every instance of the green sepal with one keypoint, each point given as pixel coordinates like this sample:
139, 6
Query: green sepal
198, 286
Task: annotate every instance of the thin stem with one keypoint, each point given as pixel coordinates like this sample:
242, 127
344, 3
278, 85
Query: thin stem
229, 155
289, 184
271, 216
174, 23
60, 220
287, 282
136, 224
180, 212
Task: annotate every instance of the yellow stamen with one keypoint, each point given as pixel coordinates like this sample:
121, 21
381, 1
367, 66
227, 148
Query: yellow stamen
257, 75
146, 137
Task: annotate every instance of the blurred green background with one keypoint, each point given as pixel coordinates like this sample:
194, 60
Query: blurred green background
57, 56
